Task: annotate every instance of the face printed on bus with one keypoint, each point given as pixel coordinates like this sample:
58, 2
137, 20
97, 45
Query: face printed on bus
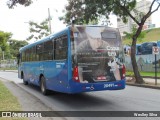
92, 44
95, 43
95, 39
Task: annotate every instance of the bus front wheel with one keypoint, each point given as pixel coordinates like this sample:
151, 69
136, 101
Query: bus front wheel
43, 86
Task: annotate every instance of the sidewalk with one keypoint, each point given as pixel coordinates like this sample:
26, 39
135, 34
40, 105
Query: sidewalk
149, 83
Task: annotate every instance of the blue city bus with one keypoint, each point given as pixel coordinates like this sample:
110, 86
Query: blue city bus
74, 60
146, 47
138, 49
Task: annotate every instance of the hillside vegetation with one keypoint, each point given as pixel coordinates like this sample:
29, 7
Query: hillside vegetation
150, 35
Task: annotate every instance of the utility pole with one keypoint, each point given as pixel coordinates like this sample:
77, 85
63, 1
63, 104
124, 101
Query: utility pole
2, 55
49, 19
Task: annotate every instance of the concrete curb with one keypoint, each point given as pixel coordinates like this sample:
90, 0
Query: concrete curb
16, 71
143, 85
144, 77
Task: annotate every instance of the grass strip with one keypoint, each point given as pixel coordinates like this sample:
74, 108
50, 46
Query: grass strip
8, 102
150, 74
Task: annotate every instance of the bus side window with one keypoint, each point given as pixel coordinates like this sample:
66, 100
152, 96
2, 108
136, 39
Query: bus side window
39, 52
48, 50
61, 48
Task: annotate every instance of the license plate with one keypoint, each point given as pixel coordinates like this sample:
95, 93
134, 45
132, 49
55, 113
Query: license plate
101, 78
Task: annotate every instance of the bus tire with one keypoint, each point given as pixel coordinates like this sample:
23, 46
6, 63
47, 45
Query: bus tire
43, 86
24, 82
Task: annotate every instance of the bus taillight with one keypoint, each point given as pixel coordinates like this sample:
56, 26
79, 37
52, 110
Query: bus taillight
75, 74
123, 72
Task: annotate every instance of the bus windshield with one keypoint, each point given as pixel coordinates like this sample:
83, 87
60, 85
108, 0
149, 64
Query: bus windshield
97, 52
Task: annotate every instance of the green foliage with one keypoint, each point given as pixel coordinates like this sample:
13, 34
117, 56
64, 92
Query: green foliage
4, 47
38, 30
9, 48
129, 36
150, 74
85, 11
12, 3
15, 45
149, 35
4, 37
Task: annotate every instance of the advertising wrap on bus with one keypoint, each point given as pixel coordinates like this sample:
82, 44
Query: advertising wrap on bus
97, 56
77, 59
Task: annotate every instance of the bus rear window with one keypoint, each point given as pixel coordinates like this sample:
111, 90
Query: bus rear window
109, 35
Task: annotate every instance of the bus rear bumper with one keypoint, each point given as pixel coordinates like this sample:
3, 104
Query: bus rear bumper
88, 87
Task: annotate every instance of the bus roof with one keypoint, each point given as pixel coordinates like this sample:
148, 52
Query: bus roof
59, 33
44, 39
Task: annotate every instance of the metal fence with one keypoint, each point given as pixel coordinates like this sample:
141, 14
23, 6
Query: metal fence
145, 63
8, 64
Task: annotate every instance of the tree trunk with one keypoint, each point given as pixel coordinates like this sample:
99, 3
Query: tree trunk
138, 77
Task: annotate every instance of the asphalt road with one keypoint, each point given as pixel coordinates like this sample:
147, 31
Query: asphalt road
130, 99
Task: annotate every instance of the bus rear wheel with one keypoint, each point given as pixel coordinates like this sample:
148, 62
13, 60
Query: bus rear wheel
24, 82
43, 86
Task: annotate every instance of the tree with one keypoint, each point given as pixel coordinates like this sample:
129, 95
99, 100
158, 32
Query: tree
8, 46
4, 37
130, 35
93, 9
38, 30
15, 45
12, 3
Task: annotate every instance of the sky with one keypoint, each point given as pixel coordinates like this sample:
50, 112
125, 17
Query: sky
16, 20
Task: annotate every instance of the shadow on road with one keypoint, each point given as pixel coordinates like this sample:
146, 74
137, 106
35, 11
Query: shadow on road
74, 101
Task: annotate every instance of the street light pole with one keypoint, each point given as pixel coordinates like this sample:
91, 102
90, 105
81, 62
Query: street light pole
49, 19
